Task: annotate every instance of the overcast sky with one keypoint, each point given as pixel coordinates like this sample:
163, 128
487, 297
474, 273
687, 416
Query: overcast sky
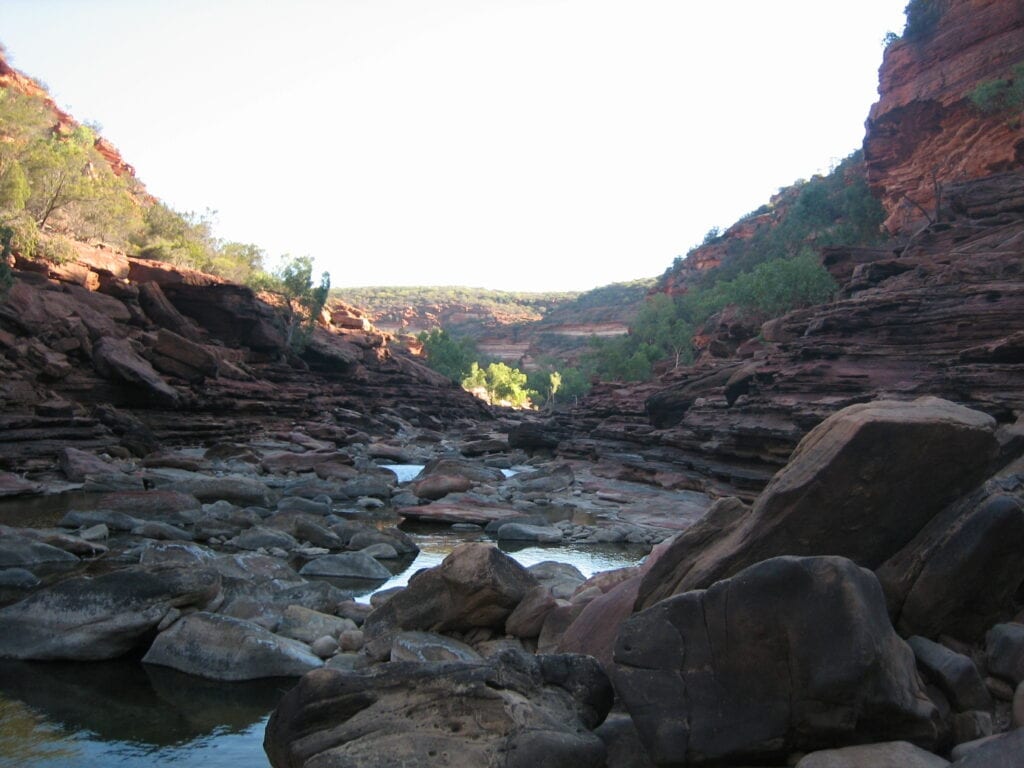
513, 144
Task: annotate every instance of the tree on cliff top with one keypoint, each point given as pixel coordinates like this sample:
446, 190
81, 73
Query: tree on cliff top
303, 300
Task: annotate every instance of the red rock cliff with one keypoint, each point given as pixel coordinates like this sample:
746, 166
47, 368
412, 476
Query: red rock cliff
924, 132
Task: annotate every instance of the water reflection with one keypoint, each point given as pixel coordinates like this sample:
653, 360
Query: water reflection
128, 714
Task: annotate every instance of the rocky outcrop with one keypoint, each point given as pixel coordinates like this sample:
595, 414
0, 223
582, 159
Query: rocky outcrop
924, 133
513, 711
106, 355
789, 654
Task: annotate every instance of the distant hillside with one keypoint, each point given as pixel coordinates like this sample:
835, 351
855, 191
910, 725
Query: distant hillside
517, 328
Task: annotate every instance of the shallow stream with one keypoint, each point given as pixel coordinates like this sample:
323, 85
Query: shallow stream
123, 714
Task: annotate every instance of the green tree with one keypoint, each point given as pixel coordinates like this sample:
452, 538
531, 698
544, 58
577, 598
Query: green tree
503, 384
447, 355
303, 300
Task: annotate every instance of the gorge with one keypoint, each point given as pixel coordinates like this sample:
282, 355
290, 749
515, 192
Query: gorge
819, 522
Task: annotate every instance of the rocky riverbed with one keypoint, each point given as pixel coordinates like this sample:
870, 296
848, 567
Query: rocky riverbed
871, 594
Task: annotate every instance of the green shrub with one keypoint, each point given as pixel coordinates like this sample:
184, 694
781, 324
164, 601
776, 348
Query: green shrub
1005, 96
922, 18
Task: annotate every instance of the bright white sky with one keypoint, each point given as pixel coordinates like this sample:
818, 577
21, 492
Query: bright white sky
508, 144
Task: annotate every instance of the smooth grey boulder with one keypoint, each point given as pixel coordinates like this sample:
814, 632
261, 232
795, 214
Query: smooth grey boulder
512, 711
18, 578
104, 617
346, 565
953, 673
224, 648
236, 489
152, 529
1004, 645
307, 625
1002, 751
259, 537
547, 534
790, 654
18, 551
891, 754
561, 579
400, 540
114, 520
861, 484
477, 585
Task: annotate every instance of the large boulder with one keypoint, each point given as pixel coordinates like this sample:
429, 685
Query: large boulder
116, 359
891, 754
225, 648
103, 617
477, 585
790, 654
961, 573
513, 711
861, 485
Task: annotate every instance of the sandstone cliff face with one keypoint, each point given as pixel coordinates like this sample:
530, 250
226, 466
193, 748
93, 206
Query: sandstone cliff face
112, 353
924, 133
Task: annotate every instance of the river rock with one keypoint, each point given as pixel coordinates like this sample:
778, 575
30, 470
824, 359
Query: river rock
260, 537
103, 617
224, 648
892, 754
513, 711
453, 466
152, 529
546, 534
528, 617
790, 654
18, 578
861, 485
438, 486
307, 625
1002, 751
113, 519
954, 674
346, 565
1004, 646
17, 550
366, 537
552, 480
174, 553
561, 579
237, 489
477, 585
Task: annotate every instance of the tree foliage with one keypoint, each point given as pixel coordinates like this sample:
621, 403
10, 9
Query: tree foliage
922, 18
447, 355
1001, 96
502, 384
304, 300
663, 330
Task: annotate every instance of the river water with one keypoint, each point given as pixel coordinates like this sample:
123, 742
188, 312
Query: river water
124, 714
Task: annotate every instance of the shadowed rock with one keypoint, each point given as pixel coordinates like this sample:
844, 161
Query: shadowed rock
103, 617
513, 711
789, 654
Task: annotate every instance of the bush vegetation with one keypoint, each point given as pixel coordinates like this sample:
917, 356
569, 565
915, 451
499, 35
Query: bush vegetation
1001, 96
55, 185
922, 17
